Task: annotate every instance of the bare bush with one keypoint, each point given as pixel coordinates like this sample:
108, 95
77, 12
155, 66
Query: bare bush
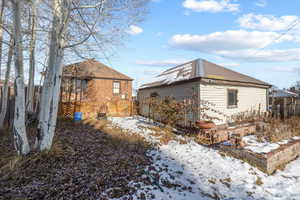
172, 112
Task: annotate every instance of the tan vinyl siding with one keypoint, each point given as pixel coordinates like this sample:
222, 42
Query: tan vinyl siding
248, 98
179, 92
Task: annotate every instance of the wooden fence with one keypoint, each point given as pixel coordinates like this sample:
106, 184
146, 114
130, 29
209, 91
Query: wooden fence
285, 107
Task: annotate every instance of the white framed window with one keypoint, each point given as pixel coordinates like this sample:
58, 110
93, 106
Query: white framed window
116, 87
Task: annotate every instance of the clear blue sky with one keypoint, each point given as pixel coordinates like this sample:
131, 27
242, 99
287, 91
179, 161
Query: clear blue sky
249, 36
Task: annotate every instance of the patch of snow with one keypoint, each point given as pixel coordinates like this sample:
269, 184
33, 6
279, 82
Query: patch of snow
137, 124
256, 146
197, 172
177, 74
283, 142
296, 138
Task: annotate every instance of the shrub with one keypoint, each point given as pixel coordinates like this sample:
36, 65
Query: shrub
172, 112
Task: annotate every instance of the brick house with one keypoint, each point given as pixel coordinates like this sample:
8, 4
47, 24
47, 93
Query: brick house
95, 89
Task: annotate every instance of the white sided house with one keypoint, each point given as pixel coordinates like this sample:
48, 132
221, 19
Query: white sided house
230, 92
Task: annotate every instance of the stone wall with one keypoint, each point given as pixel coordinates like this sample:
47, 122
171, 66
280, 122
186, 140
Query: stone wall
270, 162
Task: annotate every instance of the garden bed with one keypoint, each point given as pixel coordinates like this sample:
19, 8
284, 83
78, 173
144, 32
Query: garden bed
266, 156
221, 134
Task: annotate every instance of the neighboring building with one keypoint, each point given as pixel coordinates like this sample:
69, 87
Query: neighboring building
295, 89
230, 92
95, 89
284, 103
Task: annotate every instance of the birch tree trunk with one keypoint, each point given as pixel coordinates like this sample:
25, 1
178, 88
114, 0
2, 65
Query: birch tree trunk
6, 86
30, 89
1, 33
19, 129
51, 87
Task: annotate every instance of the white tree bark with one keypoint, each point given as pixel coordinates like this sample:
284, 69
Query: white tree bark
6, 86
30, 89
51, 87
1, 32
19, 129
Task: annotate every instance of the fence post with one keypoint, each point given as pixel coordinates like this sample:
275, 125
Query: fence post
278, 111
285, 111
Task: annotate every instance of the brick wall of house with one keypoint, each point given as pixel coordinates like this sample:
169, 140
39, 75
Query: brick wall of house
97, 98
99, 93
101, 90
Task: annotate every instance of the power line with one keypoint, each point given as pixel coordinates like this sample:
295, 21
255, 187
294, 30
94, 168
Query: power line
290, 27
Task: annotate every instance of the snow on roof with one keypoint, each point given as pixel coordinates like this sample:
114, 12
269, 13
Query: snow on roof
178, 74
283, 93
200, 68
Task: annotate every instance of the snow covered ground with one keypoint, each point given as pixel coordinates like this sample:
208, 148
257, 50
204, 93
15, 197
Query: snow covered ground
255, 145
192, 171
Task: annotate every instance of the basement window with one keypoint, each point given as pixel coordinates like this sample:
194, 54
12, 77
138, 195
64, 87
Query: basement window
232, 98
116, 87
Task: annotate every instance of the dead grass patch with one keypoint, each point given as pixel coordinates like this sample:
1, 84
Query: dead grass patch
275, 130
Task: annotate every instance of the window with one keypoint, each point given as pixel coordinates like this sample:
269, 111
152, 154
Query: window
154, 95
232, 98
116, 87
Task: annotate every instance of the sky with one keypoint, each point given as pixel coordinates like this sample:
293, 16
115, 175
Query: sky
260, 38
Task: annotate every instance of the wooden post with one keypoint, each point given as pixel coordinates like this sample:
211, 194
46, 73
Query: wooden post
75, 101
285, 108
68, 104
81, 91
278, 111
294, 106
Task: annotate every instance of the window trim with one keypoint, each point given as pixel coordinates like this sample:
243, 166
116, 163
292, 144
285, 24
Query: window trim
237, 101
116, 94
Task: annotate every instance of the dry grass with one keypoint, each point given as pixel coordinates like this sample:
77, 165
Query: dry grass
276, 130
117, 134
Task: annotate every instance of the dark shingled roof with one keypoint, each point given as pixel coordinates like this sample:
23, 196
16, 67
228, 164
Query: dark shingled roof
92, 69
200, 68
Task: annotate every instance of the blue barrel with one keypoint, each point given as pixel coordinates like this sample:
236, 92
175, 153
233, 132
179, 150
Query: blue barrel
77, 116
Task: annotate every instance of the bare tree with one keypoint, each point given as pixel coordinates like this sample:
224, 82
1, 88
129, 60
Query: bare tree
19, 129
51, 86
32, 45
6, 85
1, 32
78, 23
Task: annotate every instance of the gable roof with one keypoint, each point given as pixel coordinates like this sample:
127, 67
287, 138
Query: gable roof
200, 68
92, 69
